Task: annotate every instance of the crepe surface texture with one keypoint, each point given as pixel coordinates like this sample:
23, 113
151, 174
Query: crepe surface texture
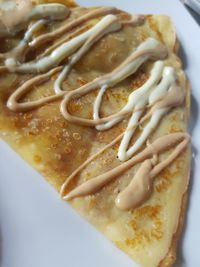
96, 101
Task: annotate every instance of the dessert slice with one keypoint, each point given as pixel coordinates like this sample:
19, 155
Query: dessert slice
96, 100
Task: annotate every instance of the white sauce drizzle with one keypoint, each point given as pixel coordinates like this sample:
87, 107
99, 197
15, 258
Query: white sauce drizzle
136, 96
48, 11
148, 49
19, 51
64, 50
149, 92
107, 25
158, 92
135, 100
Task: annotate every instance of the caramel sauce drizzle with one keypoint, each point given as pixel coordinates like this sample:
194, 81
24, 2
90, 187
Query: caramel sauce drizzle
160, 96
130, 197
73, 24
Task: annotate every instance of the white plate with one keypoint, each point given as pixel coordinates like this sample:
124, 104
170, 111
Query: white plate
37, 229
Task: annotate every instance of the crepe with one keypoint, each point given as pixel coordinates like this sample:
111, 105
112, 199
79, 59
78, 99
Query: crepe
95, 99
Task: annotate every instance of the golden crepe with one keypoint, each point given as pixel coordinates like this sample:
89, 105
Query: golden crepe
95, 99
